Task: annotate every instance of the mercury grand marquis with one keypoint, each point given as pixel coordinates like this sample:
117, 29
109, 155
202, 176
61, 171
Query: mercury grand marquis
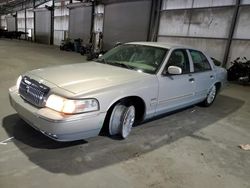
128, 84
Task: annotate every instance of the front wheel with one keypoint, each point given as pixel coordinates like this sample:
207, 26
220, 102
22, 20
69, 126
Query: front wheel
122, 120
211, 96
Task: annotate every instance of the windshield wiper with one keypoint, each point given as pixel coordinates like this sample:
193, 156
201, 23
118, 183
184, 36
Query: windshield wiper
101, 61
122, 65
115, 63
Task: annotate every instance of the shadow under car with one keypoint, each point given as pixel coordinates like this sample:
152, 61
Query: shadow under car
81, 156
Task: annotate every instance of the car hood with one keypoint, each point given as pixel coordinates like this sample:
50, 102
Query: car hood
87, 77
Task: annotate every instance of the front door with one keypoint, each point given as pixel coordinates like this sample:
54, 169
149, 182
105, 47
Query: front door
176, 91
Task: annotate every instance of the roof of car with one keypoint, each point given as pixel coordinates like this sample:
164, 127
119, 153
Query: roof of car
161, 44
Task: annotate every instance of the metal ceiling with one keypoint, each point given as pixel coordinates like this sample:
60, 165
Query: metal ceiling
11, 6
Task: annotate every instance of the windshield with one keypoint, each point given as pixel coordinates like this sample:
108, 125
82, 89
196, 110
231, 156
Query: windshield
142, 58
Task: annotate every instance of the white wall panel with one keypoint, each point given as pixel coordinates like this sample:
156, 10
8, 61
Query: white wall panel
61, 11
211, 22
212, 3
206, 23
3, 22
21, 20
245, 2
30, 23
29, 13
11, 23
61, 22
61, 18
30, 19
174, 23
214, 48
58, 37
242, 29
180, 4
176, 4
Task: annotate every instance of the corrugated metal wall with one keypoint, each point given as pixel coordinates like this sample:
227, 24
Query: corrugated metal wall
61, 22
21, 22
3, 22
30, 23
205, 24
11, 23
43, 26
125, 22
241, 42
80, 23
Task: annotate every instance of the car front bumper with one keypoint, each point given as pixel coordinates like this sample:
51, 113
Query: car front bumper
56, 125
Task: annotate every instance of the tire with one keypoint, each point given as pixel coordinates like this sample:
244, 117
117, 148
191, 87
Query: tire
122, 120
210, 96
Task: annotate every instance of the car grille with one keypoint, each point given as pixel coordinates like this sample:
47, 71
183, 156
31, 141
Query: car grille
33, 91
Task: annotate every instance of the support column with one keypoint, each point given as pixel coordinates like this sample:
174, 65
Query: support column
25, 23
231, 32
155, 20
16, 25
52, 23
34, 20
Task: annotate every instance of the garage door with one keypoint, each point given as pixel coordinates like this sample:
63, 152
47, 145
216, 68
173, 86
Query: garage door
80, 23
11, 23
125, 22
43, 26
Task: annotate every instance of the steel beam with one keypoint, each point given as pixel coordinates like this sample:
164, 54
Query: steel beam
231, 32
34, 20
193, 37
157, 21
52, 12
25, 23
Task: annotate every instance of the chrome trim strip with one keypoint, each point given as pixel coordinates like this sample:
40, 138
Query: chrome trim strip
175, 98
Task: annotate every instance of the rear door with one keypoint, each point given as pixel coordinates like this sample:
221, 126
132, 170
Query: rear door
176, 91
203, 74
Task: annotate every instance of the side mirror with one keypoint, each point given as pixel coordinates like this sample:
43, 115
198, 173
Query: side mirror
174, 70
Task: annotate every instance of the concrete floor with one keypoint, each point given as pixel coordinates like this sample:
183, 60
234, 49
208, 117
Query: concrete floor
195, 147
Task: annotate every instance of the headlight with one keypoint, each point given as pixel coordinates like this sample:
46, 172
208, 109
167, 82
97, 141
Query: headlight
69, 106
18, 82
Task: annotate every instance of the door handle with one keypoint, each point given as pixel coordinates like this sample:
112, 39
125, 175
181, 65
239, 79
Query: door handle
212, 76
191, 79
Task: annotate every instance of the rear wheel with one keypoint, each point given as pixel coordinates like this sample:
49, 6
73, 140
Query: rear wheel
122, 120
211, 96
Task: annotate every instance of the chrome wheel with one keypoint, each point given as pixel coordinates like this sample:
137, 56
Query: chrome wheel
128, 121
211, 95
121, 120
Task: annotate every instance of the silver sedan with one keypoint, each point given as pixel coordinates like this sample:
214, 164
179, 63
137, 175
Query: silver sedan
128, 84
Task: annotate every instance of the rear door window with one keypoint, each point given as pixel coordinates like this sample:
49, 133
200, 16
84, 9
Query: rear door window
200, 61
